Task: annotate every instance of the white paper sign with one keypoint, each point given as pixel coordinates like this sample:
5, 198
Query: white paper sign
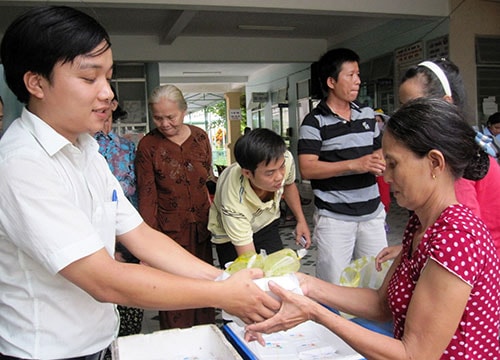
234, 114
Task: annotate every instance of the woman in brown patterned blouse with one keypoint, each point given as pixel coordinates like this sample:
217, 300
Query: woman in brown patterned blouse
173, 164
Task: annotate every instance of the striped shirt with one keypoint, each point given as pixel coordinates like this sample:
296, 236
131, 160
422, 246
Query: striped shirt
323, 133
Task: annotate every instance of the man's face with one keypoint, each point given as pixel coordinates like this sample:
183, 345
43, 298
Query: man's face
267, 177
346, 87
77, 99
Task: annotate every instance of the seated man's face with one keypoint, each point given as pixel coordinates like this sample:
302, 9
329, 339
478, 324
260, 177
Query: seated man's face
267, 177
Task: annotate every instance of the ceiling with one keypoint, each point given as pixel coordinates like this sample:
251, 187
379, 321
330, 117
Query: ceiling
214, 47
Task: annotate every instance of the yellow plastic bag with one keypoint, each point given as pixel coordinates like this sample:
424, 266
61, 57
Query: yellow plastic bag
279, 263
362, 273
246, 261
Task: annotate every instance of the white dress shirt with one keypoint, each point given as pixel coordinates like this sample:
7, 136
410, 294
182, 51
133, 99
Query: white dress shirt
55, 208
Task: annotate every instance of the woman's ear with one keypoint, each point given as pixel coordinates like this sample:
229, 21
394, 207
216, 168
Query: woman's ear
448, 99
436, 161
34, 84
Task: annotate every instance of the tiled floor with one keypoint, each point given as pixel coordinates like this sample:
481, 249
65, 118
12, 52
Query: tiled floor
396, 219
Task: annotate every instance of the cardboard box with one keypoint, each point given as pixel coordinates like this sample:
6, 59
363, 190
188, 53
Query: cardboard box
308, 340
203, 342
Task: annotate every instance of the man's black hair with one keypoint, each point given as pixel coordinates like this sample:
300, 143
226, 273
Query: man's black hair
330, 64
43, 36
259, 145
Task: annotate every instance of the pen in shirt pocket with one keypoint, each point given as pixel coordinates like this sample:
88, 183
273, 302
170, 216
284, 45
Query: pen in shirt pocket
114, 196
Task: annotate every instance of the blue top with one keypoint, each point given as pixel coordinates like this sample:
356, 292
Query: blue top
119, 153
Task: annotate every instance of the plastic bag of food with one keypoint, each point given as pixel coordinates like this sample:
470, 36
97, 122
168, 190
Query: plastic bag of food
288, 282
279, 267
281, 262
246, 261
362, 273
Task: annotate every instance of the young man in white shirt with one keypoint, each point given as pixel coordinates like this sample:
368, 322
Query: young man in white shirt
61, 208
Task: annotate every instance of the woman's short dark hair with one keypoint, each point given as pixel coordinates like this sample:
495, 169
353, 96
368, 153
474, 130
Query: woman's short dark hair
330, 64
44, 36
432, 85
259, 145
425, 124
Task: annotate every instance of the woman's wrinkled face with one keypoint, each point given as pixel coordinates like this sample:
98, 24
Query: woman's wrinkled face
167, 117
404, 173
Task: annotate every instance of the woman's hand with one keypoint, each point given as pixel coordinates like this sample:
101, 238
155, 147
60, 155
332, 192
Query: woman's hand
254, 336
304, 282
386, 254
295, 309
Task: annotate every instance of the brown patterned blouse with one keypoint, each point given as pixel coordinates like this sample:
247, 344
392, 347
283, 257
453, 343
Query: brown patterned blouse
171, 183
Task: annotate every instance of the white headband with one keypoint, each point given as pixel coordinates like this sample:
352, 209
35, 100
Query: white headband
440, 75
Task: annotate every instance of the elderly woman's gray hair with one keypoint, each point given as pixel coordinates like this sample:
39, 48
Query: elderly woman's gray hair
169, 92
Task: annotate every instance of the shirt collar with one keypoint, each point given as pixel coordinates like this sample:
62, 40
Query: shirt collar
325, 109
50, 140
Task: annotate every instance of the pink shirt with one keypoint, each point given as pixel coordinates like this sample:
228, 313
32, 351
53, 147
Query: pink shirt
459, 242
483, 198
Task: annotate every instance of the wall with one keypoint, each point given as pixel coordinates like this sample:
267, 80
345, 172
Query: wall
471, 18
277, 77
11, 107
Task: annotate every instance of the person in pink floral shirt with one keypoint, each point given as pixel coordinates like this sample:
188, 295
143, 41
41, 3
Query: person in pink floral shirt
441, 79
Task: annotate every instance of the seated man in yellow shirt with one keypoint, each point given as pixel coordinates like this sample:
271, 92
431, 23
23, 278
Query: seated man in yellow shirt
244, 216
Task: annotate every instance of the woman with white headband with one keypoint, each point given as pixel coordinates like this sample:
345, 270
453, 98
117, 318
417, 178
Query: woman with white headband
441, 79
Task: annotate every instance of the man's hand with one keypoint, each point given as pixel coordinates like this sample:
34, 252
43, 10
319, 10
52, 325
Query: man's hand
372, 163
302, 235
244, 299
295, 309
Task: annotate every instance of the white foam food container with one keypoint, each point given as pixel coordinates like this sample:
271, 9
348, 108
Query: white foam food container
306, 341
202, 342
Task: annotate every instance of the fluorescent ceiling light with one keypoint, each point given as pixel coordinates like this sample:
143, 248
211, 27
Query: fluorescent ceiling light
201, 73
266, 27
